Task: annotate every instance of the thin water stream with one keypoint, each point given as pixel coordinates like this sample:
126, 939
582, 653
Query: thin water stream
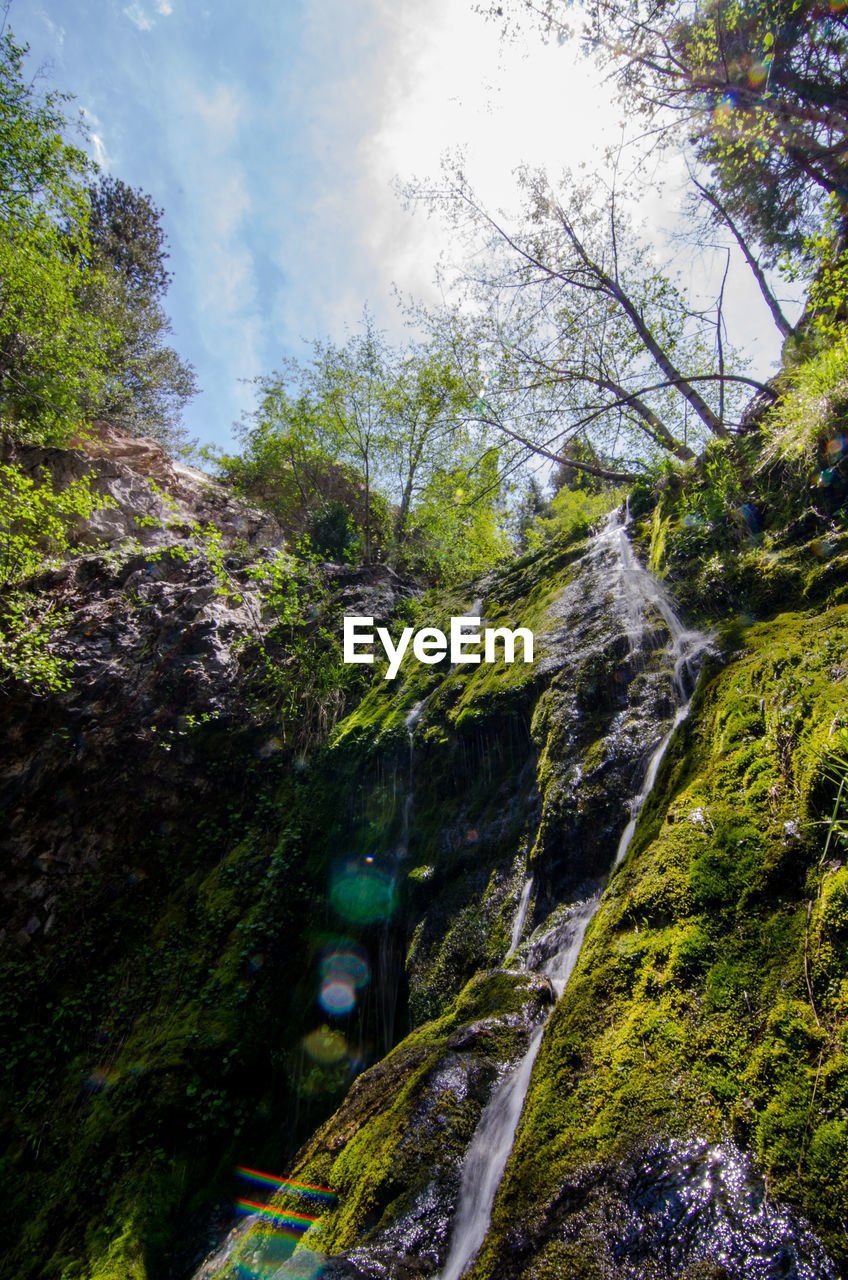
637, 594
520, 918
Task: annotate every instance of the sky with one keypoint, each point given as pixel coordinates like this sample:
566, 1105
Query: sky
275, 133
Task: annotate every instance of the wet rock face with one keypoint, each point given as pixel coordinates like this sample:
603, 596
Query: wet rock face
547, 771
393, 1150
163, 630
153, 645
695, 1209
155, 637
610, 701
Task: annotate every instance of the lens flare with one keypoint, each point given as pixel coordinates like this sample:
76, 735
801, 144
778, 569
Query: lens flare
291, 1221
98, 1081
267, 1252
325, 1046
346, 960
337, 995
362, 892
344, 969
285, 1184
746, 514
723, 111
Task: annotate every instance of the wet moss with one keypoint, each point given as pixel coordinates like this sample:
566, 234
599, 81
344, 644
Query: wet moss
709, 995
407, 1121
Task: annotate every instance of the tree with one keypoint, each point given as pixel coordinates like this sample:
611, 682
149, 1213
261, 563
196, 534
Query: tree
398, 424
291, 461
125, 229
149, 383
53, 354
125, 252
583, 337
82, 331
757, 89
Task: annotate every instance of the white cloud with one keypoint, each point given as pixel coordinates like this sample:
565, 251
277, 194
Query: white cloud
138, 17
444, 80
57, 32
95, 134
100, 154
165, 8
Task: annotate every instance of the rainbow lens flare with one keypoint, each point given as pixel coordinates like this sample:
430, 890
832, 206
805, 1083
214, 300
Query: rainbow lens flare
285, 1184
282, 1260
273, 1254
337, 996
289, 1220
344, 969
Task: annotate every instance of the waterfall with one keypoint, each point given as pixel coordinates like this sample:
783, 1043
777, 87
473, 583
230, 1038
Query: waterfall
520, 917
637, 591
489, 1151
685, 649
406, 813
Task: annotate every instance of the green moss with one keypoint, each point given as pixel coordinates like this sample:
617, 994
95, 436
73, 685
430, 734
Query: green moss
399, 1129
689, 1010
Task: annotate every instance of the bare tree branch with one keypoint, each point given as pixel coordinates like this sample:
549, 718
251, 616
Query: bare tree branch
771, 301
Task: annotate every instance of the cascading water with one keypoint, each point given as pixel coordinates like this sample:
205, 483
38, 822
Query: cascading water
520, 917
489, 1151
406, 816
637, 594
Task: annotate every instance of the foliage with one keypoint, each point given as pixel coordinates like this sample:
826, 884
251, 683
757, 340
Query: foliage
757, 89
389, 434
572, 512
36, 522
149, 384
27, 626
81, 271
332, 532
823, 266
771, 120
806, 428
125, 230
300, 674
125, 254
291, 464
835, 768
532, 505
53, 356
456, 533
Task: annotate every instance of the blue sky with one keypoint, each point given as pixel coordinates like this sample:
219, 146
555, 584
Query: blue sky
272, 131
242, 120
